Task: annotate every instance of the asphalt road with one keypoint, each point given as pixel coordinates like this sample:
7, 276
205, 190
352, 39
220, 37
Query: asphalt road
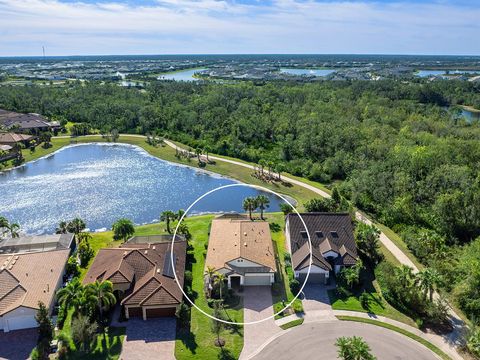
317, 341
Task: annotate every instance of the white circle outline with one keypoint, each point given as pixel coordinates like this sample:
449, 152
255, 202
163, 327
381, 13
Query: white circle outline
173, 262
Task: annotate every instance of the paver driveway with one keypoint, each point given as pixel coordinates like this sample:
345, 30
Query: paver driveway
316, 302
257, 304
17, 345
151, 339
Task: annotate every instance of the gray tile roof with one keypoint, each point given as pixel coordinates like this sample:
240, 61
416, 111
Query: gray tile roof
328, 232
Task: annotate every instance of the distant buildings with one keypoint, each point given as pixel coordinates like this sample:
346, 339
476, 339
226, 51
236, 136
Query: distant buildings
26, 123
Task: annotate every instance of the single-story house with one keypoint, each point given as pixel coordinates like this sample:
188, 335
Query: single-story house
12, 139
142, 276
26, 123
36, 243
333, 244
242, 250
26, 279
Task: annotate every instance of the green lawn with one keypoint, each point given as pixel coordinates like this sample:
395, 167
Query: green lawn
376, 305
417, 338
292, 324
281, 289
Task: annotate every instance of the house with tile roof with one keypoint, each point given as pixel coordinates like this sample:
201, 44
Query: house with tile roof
143, 276
242, 250
26, 279
26, 123
333, 244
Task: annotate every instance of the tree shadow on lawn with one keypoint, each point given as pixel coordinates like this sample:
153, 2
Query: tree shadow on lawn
226, 354
188, 339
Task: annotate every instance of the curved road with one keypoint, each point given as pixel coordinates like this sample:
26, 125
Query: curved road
317, 341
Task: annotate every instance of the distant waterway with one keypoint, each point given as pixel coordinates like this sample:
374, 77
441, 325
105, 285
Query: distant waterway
182, 75
428, 73
101, 183
310, 72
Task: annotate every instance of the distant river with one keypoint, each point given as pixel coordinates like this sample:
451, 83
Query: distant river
311, 72
428, 73
101, 183
183, 75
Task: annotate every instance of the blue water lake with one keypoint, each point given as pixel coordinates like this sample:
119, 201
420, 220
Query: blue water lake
101, 183
427, 73
183, 75
310, 72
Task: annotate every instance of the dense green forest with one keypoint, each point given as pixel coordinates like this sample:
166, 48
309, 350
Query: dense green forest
398, 150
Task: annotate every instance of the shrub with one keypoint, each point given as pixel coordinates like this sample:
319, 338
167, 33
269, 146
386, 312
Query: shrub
183, 315
188, 277
294, 286
365, 300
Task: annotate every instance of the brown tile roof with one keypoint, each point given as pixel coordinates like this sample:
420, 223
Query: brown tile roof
24, 121
238, 237
12, 138
142, 265
328, 232
26, 279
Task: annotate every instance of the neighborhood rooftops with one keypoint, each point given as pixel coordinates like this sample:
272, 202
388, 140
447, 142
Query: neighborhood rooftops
24, 121
144, 269
234, 236
30, 243
12, 138
26, 279
330, 233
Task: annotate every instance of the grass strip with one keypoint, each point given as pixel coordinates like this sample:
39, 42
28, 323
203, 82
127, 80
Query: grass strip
292, 324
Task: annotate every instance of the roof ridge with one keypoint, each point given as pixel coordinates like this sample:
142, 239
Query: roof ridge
142, 286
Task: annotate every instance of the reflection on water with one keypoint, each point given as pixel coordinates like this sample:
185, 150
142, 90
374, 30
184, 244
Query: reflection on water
103, 182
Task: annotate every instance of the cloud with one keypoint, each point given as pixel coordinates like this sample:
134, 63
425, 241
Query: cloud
228, 26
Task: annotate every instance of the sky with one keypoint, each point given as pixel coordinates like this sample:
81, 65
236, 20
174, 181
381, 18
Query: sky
114, 27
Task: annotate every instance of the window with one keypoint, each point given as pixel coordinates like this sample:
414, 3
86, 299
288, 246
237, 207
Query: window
334, 234
304, 234
319, 234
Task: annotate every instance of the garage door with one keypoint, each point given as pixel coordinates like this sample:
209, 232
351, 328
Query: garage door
134, 311
257, 280
21, 322
313, 278
162, 312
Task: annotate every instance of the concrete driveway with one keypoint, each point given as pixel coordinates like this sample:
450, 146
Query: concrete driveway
151, 339
317, 341
18, 344
257, 304
316, 302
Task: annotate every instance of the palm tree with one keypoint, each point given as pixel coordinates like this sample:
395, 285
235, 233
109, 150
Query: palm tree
250, 204
62, 228
167, 216
207, 150
180, 214
263, 203
351, 276
198, 152
405, 276
279, 168
7, 227
353, 348
262, 164
209, 274
101, 293
123, 229
220, 281
428, 279
76, 226
72, 295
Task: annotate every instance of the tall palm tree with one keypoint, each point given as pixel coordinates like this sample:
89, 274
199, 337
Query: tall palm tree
262, 164
62, 228
250, 204
101, 293
73, 295
220, 281
209, 274
179, 214
167, 216
428, 279
353, 348
207, 149
8, 227
76, 226
263, 203
405, 276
